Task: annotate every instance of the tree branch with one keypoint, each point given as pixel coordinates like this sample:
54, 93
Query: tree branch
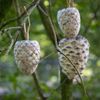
66, 87
46, 21
38, 87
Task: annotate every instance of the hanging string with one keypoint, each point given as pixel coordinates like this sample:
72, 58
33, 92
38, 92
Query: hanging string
70, 3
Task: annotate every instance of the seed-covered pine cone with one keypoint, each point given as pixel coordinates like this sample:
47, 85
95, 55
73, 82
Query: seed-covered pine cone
69, 21
77, 50
27, 55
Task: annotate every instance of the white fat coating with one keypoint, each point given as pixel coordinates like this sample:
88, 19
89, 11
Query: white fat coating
69, 21
27, 55
77, 50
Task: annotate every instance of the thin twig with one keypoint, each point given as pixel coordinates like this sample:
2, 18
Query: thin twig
10, 47
24, 14
46, 57
9, 28
46, 14
29, 24
11, 44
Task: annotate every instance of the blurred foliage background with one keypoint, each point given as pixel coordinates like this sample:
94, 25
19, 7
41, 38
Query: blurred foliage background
15, 85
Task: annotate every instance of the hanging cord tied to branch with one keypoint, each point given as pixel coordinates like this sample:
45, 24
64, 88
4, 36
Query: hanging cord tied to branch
70, 3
